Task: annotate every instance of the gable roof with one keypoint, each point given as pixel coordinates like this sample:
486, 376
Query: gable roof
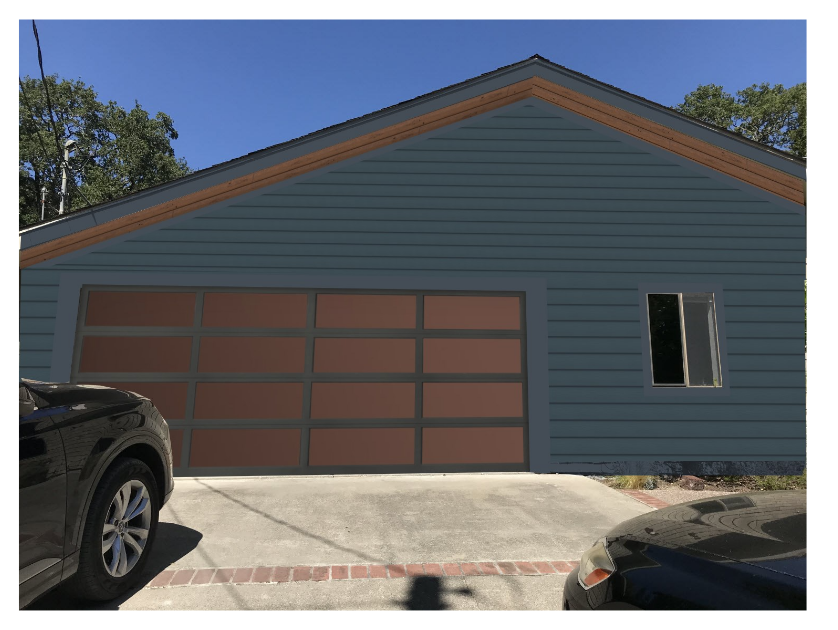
758, 165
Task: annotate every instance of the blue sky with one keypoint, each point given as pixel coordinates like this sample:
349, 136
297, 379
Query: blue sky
233, 87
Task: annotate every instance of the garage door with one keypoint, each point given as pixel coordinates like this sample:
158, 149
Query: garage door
268, 381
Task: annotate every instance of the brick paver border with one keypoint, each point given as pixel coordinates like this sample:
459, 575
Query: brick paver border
278, 575
646, 499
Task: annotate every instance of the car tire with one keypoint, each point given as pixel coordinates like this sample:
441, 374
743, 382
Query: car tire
104, 575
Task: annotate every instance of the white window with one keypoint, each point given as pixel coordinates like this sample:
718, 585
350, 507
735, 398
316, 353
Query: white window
683, 340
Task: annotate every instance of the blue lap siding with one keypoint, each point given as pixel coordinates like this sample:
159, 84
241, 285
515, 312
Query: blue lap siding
531, 192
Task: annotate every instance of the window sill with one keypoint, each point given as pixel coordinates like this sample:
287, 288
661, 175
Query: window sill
687, 387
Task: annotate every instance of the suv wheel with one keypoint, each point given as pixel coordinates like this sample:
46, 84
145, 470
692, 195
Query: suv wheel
118, 532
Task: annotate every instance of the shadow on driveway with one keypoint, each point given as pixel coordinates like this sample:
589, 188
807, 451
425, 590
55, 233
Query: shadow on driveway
172, 543
426, 594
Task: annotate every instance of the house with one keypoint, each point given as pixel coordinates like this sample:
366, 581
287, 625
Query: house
529, 270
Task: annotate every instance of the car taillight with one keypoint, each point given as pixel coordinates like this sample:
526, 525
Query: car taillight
596, 565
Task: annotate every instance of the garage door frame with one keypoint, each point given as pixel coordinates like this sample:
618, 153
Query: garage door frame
533, 324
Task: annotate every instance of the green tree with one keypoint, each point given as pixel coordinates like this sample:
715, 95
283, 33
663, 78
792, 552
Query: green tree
772, 115
117, 152
775, 116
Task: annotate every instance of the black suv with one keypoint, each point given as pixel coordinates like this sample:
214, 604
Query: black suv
95, 469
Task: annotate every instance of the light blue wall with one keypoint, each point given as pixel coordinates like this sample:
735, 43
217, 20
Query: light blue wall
532, 193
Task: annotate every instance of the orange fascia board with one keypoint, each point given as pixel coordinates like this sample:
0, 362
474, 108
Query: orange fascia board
706, 154
699, 151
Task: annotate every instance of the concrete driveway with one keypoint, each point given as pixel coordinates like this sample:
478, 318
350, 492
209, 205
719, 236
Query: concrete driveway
461, 541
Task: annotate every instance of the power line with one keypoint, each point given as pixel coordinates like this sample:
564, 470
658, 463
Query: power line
60, 114
61, 159
46, 91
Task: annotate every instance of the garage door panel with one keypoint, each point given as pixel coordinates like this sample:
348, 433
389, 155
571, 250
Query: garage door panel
472, 400
252, 354
359, 356
140, 308
244, 447
472, 312
135, 354
363, 400
361, 447
254, 310
472, 356
473, 445
365, 311
221, 401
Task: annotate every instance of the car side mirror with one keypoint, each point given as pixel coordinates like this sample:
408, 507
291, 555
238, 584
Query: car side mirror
27, 407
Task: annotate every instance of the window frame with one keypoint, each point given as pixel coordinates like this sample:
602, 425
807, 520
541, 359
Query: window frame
650, 388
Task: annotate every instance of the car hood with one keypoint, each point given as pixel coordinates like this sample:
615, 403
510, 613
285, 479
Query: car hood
766, 529
68, 394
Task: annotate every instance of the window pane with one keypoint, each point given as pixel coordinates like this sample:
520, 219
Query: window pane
700, 332
665, 338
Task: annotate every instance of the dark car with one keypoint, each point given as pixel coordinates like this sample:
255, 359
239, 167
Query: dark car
95, 469
732, 552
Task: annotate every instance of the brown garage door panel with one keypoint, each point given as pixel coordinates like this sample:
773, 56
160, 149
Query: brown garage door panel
365, 311
248, 401
176, 436
360, 447
472, 312
140, 308
472, 400
169, 398
135, 354
357, 356
252, 354
254, 310
362, 400
473, 445
472, 356
245, 447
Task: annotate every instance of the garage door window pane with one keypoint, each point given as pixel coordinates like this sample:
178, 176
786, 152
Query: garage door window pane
665, 339
700, 340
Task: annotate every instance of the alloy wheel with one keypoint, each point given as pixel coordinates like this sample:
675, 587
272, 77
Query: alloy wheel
126, 528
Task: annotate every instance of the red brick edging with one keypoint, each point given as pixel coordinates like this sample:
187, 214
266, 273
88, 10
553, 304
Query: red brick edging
276, 575
646, 499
